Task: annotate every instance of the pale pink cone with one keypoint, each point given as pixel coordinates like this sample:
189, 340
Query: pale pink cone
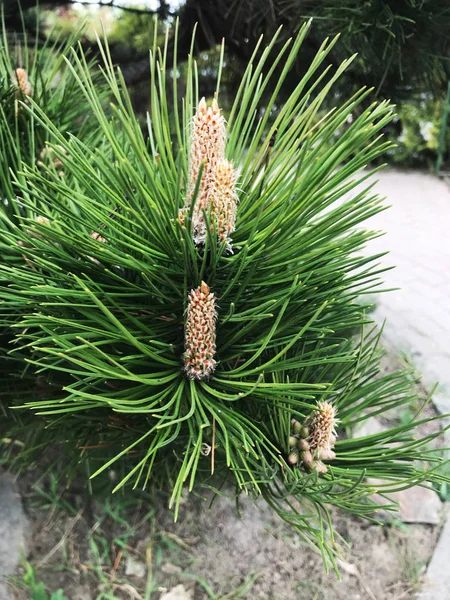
216, 196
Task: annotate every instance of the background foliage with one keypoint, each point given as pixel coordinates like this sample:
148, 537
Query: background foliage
402, 46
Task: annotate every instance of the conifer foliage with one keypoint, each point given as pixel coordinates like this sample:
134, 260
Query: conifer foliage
155, 336
216, 196
39, 74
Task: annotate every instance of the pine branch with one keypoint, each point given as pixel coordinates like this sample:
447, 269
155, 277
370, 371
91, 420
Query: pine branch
170, 307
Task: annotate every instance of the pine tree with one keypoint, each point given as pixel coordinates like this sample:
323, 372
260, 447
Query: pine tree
180, 357
36, 73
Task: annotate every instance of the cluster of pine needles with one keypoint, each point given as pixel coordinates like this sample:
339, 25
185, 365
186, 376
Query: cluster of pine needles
182, 305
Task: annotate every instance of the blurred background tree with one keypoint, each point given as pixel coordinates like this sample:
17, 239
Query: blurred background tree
403, 46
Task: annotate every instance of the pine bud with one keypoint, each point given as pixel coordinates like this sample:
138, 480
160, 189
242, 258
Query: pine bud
292, 441
320, 468
225, 201
22, 82
293, 458
303, 445
200, 333
304, 432
296, 426
325, 454
207, 147
42, 220
47, 154
307, 458
216, 197
322, 427
97, 236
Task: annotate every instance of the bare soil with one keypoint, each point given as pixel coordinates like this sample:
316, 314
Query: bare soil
86, 548
219, 549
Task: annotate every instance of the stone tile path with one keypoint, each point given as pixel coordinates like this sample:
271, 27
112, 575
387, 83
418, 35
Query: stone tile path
417, 230
417, 315
12, 531
437, 584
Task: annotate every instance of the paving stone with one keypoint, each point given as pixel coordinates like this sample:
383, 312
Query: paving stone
437, 579
12, 531
4, 594
442, 403
416, 505
418, 319
419, 505
416, 225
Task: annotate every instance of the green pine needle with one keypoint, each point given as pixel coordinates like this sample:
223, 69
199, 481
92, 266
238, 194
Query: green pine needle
100, 324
